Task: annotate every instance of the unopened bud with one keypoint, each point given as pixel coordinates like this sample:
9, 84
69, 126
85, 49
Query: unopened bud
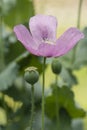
31, 75
56, 66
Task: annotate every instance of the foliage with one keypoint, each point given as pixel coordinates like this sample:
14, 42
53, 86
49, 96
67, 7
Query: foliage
14, 90
7, 77
65, 101
21, 11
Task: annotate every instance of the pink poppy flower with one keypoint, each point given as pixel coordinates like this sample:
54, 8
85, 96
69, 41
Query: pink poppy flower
41, 39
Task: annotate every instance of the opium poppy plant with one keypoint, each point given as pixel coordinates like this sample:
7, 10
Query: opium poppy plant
41, 39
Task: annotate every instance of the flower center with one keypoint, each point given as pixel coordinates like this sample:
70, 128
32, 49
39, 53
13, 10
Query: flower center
48, 42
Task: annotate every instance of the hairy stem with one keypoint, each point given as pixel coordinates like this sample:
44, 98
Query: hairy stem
79, 13
56, 79
2, 65
32, 107
56, 101
78, 25
44, 62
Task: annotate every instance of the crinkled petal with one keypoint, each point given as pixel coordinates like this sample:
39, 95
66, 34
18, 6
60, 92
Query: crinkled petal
24, 36
43, 28
67, 41
46, 50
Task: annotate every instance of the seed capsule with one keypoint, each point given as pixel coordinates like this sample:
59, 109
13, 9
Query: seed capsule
56, 66
31, 75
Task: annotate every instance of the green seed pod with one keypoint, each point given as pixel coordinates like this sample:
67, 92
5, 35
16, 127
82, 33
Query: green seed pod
31, 75
56, 66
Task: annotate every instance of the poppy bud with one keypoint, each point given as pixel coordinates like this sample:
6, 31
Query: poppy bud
56, 66
31, 75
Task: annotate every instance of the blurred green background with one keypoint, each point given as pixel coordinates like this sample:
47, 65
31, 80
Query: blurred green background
14, 58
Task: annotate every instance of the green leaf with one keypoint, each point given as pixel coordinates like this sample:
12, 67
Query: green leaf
67, 60
8, 76
85, 32
65, 119
68, 77
6, 6
25, 60
81, 52
77, 124
3, 117
22, 11
13, 51
65, 100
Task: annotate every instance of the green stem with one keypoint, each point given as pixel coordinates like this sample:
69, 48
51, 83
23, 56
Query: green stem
32, 107
43, 87
79, 13
78, 26
1, 44
56, 79
56, 101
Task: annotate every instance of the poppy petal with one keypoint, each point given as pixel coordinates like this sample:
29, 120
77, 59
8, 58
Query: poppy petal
67, 41
46, 50
24, 36
43, 28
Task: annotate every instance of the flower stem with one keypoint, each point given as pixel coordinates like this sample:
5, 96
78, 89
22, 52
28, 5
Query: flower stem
56, 101
32, 107
44, 62
78, 26
56, 79
79, 13
2, 65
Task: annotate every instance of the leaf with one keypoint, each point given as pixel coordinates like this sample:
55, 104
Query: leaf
65, 101
65, 122
3, 117
67, 60
85, 32
68, 77
6, 6
65, 119
81, 52
13, 51
26, 59
8, 76
21, 13
77, 124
